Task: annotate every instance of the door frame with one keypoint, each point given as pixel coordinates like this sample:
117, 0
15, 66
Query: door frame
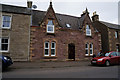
71, 51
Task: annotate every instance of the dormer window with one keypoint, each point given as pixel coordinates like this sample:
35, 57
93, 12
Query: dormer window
88, 30
68, 25
50, 27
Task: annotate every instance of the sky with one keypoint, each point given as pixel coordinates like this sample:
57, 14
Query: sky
106, 9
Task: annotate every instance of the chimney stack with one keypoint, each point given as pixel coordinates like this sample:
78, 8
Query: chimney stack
95, 17
29, 4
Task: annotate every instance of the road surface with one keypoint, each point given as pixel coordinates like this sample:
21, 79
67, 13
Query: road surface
65, 72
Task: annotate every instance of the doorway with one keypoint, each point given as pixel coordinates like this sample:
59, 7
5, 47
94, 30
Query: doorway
71, 51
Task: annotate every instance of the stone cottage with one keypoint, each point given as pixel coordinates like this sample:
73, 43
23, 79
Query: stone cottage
62, 37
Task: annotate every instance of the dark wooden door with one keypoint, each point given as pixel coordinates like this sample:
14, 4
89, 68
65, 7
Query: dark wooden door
71, 51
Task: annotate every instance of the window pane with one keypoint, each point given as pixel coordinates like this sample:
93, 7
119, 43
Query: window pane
88, 31
86, 45
116, 34
5, 47
114, 54
50, 22
87, 27
6, 24
118, 53
6, 21
91, 52
46, 52
52, 51
53, 45
90, 45
4, 40
4, 44
68, 25
50, 28
6, 18
46, 45
117, 47
86, 52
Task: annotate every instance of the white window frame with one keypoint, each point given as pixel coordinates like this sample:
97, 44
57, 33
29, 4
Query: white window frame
87, 49
116, 34
91, 48
88, 30
46, 48
53, 48
4, 43
50, 26
9, 22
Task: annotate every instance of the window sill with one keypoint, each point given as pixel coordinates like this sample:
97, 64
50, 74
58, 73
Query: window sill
50, 56
5, 28
50, 33
88, 55
4, 51
89, 35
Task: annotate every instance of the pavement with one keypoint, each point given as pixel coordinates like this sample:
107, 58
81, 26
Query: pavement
50, 64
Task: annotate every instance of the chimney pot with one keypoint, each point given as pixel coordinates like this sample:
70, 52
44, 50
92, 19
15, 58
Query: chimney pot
29, 4
95, 17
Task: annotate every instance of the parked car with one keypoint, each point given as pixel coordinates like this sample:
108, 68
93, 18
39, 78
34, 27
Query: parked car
6, 61
107, 58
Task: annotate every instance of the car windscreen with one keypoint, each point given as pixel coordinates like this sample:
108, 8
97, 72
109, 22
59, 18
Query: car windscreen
107, 54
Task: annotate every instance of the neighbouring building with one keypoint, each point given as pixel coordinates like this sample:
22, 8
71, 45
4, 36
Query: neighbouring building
15, 32
110, 34
62, 37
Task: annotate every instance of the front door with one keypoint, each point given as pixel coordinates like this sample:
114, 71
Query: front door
71, 51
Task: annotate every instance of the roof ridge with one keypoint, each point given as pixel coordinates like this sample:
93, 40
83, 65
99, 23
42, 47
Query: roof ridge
39, 10
59, 14
13, 5
110, 23
67, 15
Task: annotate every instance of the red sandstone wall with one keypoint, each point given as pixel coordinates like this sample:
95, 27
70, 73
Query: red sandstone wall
63, 37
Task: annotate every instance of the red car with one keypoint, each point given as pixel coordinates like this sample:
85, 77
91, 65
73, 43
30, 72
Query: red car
107, 59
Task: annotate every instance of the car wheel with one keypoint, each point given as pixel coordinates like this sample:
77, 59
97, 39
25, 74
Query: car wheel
107, 63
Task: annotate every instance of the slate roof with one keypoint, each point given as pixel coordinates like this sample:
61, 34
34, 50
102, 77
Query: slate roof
14, 9
37, 16
63, 19
110, 25
67, 19
81, 20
